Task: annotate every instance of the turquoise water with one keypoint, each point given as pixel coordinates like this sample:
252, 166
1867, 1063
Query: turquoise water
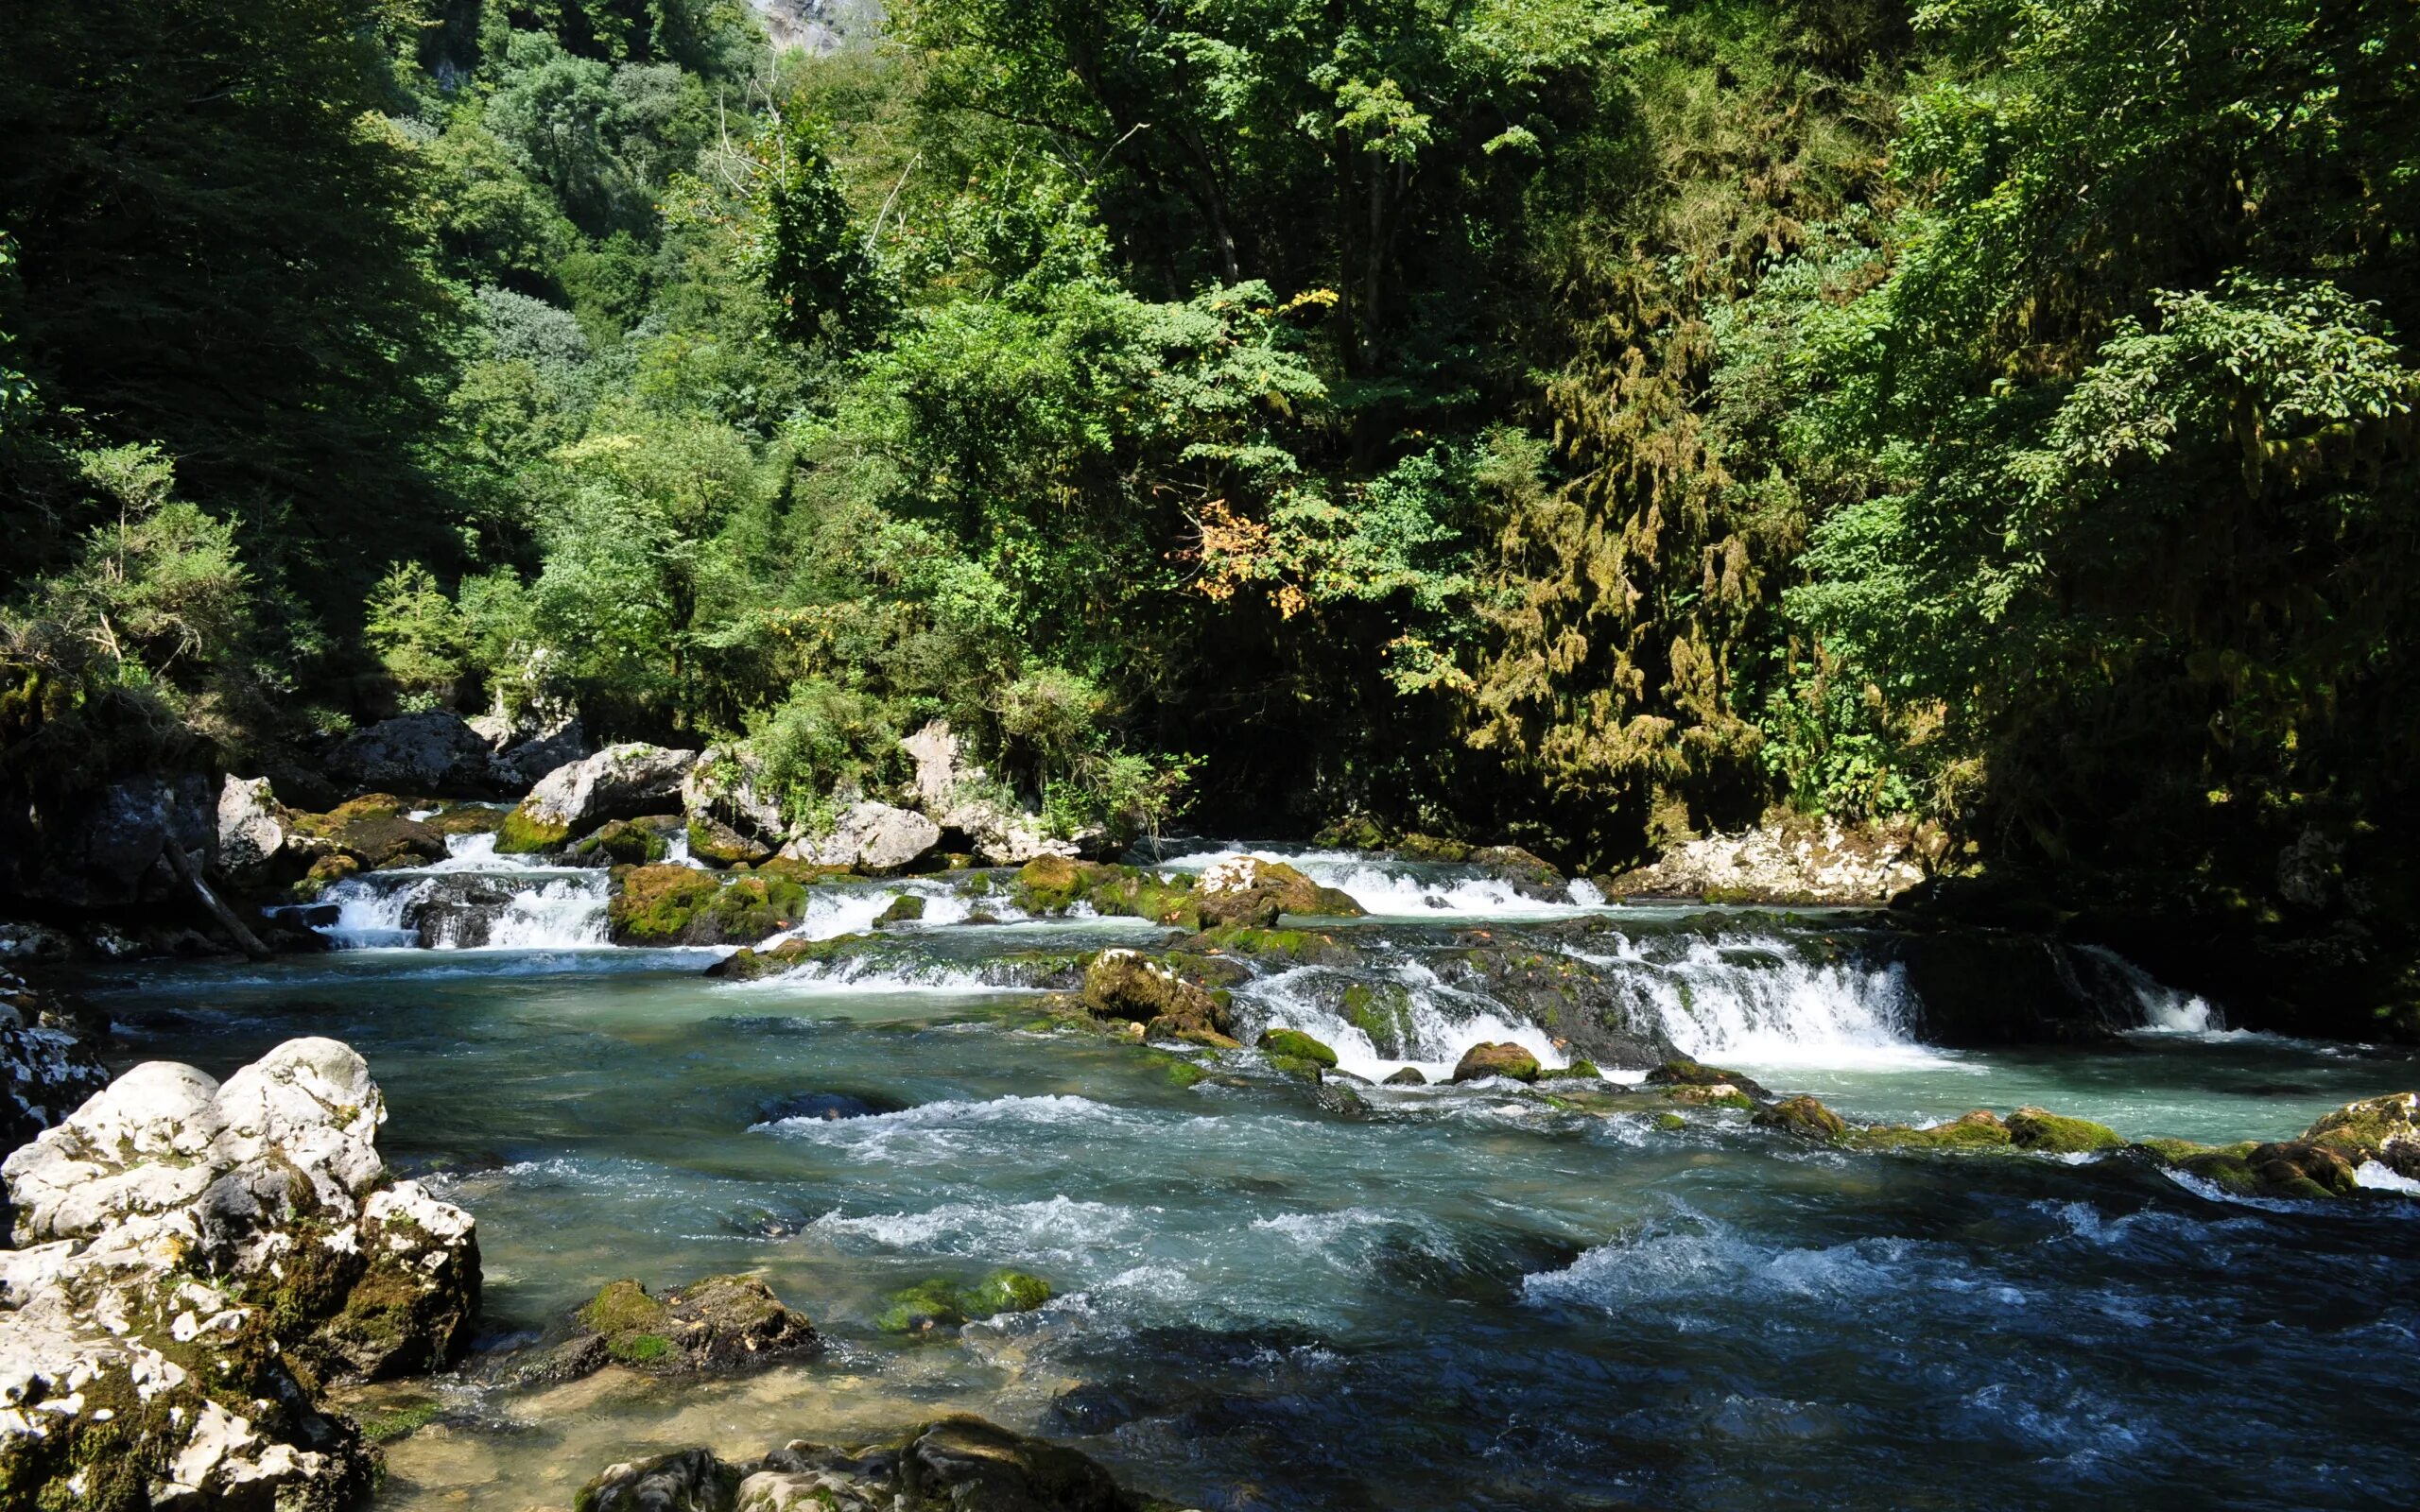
1462, 1299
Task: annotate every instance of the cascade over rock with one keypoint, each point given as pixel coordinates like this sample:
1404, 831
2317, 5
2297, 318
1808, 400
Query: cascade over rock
193, 1253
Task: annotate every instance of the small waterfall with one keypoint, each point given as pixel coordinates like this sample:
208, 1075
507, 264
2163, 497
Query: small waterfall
1378, 1026
2131, 998
1410, 889
474, 898
1751, 999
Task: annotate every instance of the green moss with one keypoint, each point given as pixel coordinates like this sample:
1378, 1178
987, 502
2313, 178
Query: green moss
1008, 1291
1299, 1066
638, 1349
624, 1307
924, 1307
1383, 1011
1804, 1117
521, 835
1670, 1123
1292, 1044
623, 842
683, 905
384, 1427
2048, 1133
904, 908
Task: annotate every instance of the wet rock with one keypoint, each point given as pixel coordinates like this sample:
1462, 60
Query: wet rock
1297, 1045
1408, 1076
109, 848
1124, 984
427, 752
1249, 890
618, 783
957, 1464
825, 1106
1978, 1131
716, 1326
1577, 1070
1527, 874
1805, 1117
1683, 1072
904, 909
939, 1304
1052, 884
1092, 1409
683, 906
193, 1254
22, 942
1596, 1015
2048, 1133
1496, 1060
871, 837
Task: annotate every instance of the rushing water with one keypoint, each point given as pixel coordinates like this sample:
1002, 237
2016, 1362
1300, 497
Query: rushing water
1465, 1298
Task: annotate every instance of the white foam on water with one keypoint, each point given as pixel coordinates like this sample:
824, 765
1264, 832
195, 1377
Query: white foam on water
1403, 891
1440, 1024
549, 908
1740, 1000
1059, 1229
934, 1130
2159, 1008
2378, 1178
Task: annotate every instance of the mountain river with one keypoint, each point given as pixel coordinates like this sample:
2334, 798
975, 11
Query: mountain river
1463, 1296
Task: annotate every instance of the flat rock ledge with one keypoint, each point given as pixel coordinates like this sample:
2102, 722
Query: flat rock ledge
960, 1463
196, 1262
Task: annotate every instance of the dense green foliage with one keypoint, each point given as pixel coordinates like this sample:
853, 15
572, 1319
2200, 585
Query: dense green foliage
1559, 420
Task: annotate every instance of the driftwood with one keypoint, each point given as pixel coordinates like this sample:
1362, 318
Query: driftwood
245, 939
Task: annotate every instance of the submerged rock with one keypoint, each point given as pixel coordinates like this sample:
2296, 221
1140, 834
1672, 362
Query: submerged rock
196, 1259
956, 1463
715, 1326
932, 1305
1493, 1059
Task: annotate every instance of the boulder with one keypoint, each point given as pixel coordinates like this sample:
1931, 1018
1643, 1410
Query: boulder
1492, 1059
1788, 860
2384, 1129
1252, 891
625, 843
1124, 984
716, 1326
370, 832
960, 796
47, 1065
2049, 1133
1681, 1072
718, 844
727, 791
1806, 1118
961, 1464
1408, 1076
683, 906
194, 1253
618, 783
525, 754
34, 942
871, 837
252, 835
428, 752
111, 848
933, 1305
1525, 873
1296, 1045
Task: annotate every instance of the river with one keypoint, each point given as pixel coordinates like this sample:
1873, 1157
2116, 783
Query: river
1464, 1296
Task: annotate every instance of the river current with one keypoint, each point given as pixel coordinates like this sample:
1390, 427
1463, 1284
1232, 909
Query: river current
1463, 1298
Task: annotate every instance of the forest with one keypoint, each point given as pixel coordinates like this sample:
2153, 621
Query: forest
1575, 423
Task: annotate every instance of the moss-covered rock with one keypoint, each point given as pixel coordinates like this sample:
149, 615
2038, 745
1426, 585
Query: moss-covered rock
1298, 1045
1681, 1072
2048, 1133
716, 1325
1408, 1076
1124, 984
1978, 1131
718, 844
467, 818
1250, 890
375, 831
1577, 1070
1493, 1060
1804, 1117
525, 834
2385, 1129
624, 843
904, 909
938, 1304
1382, 1011
1274, 947
683, 906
